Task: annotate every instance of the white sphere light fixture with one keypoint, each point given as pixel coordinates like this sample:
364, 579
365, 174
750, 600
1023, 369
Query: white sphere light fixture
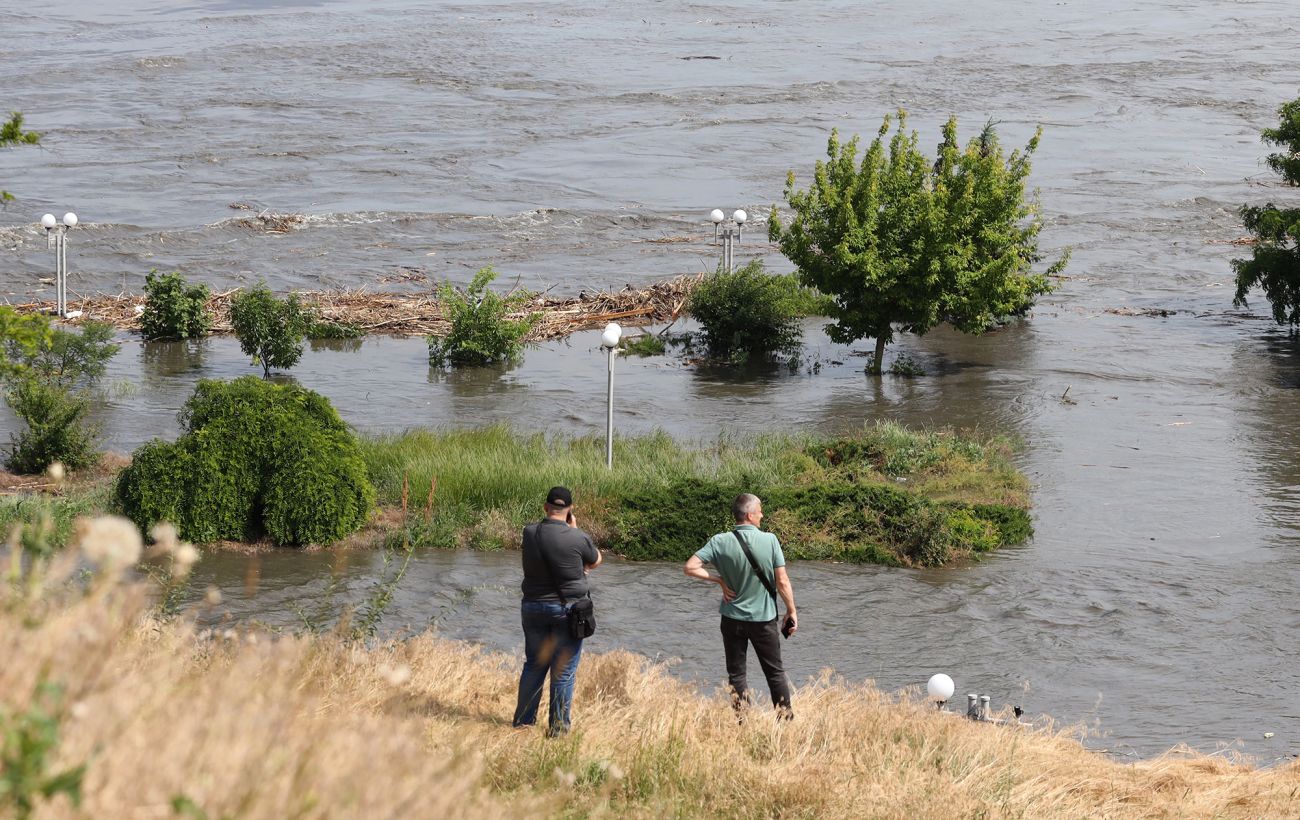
612, 333
716, 216
69, 219
48, 221
740, 217
940, 687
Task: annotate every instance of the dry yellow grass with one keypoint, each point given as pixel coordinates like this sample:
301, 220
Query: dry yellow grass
250, 725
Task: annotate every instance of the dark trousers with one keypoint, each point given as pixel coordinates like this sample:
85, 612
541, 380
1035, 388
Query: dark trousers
766, 638
549, 649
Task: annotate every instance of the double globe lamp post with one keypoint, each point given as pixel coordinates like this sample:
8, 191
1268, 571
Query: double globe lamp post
728, 231
56, 238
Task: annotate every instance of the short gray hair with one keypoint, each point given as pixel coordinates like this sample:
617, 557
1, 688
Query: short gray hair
744, 504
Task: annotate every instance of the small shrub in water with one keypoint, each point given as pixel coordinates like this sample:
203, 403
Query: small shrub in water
56, 428
645, 344
173, 308
51, 394
748, 313
481, 333
256, 458
270, 330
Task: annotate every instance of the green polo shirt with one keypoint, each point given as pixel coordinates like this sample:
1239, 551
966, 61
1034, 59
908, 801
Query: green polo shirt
752, 602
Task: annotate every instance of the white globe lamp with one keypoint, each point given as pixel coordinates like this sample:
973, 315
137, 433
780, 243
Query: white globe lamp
716, 216
48, 222
69, 219
611, 335
940, 688
740, 217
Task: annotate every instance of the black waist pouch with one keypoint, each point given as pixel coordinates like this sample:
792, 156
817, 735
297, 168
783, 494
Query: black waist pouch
582, 618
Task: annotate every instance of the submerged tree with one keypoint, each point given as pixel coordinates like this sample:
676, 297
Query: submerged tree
270, 330
1275, 263
901, 241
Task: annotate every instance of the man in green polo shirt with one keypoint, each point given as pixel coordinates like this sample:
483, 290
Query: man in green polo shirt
749, 614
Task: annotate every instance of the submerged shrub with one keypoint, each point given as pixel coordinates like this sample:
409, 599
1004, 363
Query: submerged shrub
56, 428
749, 313
50, 389
255, 459
481, 332
270, 330
173, 308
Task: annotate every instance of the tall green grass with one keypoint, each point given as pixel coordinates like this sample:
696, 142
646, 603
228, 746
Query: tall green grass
885, 495
38, 511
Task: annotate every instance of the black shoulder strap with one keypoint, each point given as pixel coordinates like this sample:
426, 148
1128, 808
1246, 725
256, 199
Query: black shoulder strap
753, 562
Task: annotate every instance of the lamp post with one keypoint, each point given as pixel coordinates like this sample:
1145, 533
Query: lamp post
609, 341
728, 231
56, 238
940, 687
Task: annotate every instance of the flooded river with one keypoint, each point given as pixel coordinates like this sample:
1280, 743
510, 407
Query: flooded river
563, 141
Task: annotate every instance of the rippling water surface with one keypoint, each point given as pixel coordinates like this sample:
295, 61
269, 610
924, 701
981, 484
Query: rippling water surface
577, 145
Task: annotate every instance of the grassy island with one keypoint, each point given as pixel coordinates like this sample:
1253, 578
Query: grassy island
136, 715
883, 495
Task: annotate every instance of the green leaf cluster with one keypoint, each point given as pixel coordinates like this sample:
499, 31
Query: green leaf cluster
12, 133
481, 331
902, 241
30, 740
22, 336
51, 375
270, 330
1275, 264
256, 458
748, 313
173, 308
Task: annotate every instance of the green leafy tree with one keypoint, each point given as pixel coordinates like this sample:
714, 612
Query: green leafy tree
49, 388
748, 313
173, 308
1275, 263
12, 133
270, 330
899, 241
481, 332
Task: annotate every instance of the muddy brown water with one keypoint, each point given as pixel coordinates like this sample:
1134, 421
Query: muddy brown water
561, 140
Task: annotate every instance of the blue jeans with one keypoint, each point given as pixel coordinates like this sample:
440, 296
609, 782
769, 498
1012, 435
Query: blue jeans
548, 648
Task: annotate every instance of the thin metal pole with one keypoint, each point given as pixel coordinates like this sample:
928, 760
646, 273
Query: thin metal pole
61, 273
609, 417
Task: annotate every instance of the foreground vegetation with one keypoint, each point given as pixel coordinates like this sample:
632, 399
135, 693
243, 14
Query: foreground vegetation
131, 714
885, 495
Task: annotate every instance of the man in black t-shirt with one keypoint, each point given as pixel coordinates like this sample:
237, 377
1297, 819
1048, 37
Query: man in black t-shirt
556, 558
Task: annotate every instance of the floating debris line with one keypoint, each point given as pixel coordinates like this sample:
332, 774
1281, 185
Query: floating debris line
412, 314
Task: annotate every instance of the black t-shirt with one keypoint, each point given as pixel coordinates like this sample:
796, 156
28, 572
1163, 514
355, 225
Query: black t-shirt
566, 549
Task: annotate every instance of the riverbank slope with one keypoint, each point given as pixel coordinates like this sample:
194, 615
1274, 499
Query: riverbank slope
171, 720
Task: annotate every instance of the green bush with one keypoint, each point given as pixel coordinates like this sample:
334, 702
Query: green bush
56, 428
174, 309
748, 313
255, 459
270, 330
481, 333
49, 389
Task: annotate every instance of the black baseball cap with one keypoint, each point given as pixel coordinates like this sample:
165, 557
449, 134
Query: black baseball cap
559, 497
